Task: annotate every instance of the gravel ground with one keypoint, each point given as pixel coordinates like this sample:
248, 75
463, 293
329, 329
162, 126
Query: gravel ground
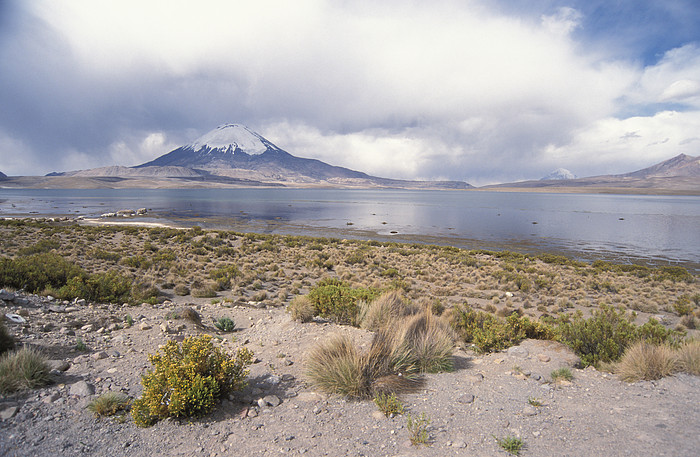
486, 397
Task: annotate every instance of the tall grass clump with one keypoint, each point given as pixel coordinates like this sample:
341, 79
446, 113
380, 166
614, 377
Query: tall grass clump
301, 309
188, 379
387, 307
429, 339
109, 404
336, 366
25, 368
646, 361
688, 355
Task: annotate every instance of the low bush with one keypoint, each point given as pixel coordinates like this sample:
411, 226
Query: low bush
25, 368
562, 374
37, 272
646, 361
109, 287
418, 429
488, 333
335, 300
188, 379
605, 336
181, 290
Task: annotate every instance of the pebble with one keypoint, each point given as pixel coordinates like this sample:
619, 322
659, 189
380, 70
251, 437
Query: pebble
99, 355
8, 412
543, 358
518, 351
269, 400
144, 326
466, 399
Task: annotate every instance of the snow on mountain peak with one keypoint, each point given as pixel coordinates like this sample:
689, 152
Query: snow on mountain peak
559, 174
231, 137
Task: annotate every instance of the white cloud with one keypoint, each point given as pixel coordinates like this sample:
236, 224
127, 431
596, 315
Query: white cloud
443, 89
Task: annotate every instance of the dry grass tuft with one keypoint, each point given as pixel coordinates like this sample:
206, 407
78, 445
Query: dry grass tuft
301, 309
335, 367
430, 340
385, 308
24, 368
689, 357
646, 361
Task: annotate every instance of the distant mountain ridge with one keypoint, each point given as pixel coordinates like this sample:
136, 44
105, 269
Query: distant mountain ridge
680, 174
559, 173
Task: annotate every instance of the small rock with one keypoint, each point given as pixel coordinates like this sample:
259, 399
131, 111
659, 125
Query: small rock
498, 361
66, 331
517, 351
52, 397
59, 365
144, 326
99, 355
15, 318
474, 378
459, 444
8, 412
465, 399
252, 412
530, 411
88, 328
269, 400
82, 389
543, 358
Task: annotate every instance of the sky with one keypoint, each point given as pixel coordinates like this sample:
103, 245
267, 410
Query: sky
483, 91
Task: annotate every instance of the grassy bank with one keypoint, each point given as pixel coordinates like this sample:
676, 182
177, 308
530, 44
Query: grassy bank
136, 264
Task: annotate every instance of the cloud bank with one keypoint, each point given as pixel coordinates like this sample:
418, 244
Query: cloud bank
475, 91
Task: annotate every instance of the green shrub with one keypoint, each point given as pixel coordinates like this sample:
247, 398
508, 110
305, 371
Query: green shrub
40, 247
224, 276
25, 368
511, 444
188, 379
418, 429
225, 324
37, 272
6, 340
335, 300
389, 404
109, 287
683, 305
489, 333
605, 336
109, 404
562, 374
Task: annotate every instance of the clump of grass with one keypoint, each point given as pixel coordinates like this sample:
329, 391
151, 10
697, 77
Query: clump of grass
25, 368
511, 444
204, 292
562, 374
80, 345
689, 357
225, 324
301, 309
336, 300
646, 361
189, 314
336, 366
385, 308
429, 339
181, 290
418, 429
7, 342
109, 404
389, 404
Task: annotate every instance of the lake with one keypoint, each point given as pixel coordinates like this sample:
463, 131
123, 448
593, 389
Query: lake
655, 230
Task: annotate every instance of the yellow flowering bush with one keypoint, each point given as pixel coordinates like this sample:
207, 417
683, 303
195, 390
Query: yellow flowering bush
188, 380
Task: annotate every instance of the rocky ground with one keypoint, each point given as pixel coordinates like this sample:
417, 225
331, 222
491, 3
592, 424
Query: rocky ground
487, 396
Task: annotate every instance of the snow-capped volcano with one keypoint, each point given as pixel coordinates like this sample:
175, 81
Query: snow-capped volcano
232, 137
235, 151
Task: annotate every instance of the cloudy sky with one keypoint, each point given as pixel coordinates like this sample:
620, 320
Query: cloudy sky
477, 90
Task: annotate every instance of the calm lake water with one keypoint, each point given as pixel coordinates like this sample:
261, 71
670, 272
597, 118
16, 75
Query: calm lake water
658, 230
